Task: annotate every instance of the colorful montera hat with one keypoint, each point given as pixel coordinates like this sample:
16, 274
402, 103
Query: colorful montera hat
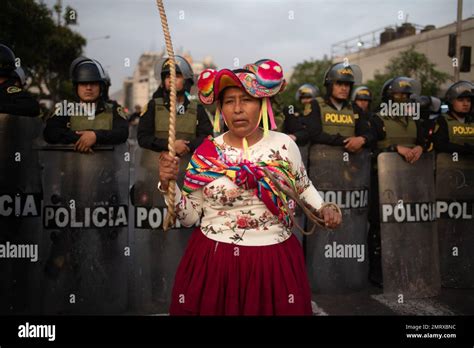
262, 79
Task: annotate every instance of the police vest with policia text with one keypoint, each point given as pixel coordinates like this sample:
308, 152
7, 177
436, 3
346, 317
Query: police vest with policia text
102, 121
399, 131
459, 133
337, 121
186, 120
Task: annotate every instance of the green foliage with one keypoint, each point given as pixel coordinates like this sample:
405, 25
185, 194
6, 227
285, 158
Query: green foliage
412, 64
44, 48
309, 71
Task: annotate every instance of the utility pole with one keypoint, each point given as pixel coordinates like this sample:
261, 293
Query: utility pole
458, 41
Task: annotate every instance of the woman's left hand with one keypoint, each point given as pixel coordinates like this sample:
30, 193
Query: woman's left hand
332, 218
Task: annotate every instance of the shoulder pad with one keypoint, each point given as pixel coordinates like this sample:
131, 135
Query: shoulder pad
356, 116
13, 89
320, 100
121, 112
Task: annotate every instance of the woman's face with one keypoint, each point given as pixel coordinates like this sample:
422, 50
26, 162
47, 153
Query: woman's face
240, 111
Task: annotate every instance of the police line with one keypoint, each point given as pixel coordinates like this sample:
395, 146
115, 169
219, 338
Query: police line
426, 211
96, 217
113, 216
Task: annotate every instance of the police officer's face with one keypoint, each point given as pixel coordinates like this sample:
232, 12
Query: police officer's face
179, 82
363, 104
340, 90
462, 104
306, 100
240, 111
88, 91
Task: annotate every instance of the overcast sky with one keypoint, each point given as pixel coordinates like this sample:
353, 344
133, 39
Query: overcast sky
243, 29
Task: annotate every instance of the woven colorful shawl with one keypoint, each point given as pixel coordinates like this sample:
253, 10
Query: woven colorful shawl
207, 164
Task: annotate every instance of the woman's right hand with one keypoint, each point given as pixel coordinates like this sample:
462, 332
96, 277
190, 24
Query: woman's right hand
168, 169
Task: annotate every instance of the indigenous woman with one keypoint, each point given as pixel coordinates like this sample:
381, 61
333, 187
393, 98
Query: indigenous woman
243, 259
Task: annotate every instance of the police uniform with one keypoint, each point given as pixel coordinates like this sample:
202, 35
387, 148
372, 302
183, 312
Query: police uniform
109, 123
374, 124
373, 121
15, 101
295, 122
193, 124
399, 130
403, 130
450, 135
110, 126
330, 126
295, 118
192, 120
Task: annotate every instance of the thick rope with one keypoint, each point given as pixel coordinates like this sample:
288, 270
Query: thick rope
171, 215
312, 214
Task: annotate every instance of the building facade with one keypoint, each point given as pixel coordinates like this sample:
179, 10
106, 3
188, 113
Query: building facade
433, 42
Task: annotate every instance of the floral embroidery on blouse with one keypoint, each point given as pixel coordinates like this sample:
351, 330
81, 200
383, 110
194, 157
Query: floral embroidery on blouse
232, 214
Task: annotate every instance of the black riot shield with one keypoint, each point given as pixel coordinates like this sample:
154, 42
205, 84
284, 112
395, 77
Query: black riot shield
86, 249
300, 217
157, 253
410, 262
455, 210
337, 259
20, 215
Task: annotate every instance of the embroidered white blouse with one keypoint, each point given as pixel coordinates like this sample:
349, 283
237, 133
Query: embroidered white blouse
231, 214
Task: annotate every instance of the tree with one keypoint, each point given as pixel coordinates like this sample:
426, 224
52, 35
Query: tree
311, 71
43, 48
412, 64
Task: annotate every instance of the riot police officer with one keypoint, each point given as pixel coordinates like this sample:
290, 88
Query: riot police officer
295, 120
192, 121
405, 134
454, 131
13, 99
404, 131
361, 103
106, 125
362, 98
332, 118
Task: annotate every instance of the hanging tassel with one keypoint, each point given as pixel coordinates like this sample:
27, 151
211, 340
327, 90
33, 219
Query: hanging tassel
264, 115
245, 145
217, 121
270, 113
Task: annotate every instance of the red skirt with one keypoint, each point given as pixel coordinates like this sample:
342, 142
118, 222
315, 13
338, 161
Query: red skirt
215, 278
